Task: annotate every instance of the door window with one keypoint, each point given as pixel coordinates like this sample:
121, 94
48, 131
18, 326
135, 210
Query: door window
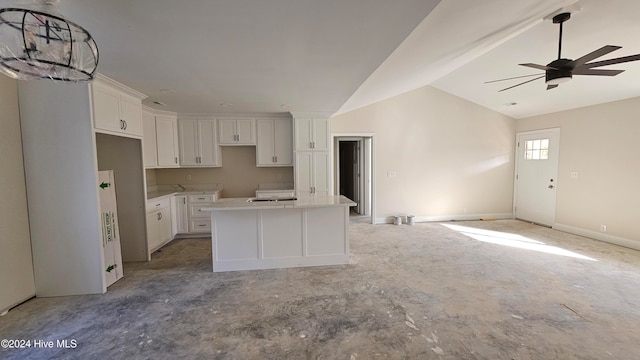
537, 149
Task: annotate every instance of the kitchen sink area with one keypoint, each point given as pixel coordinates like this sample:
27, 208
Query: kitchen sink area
273, 199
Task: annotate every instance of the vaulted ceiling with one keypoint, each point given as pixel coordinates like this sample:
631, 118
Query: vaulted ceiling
206, 56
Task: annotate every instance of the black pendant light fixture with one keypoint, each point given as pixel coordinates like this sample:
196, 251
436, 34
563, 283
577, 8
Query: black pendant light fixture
37, 43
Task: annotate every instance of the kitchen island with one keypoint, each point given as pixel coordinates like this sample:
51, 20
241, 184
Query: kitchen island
310, 231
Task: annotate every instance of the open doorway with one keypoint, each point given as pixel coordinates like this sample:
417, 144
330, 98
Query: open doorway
353, 163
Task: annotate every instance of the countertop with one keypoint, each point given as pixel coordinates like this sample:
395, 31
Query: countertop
307, 202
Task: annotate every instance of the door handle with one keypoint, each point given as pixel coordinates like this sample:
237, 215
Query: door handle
550, 186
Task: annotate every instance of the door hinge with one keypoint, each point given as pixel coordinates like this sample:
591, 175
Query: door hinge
516, 176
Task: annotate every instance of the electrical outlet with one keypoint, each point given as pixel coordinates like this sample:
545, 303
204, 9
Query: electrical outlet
603, 228
391, 174
574, 174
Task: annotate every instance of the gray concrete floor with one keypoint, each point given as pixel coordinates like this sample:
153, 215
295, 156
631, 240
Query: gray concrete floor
462, 290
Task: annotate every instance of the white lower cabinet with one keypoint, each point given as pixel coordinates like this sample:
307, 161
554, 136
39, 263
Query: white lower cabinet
180, 215
200, 220
158, 223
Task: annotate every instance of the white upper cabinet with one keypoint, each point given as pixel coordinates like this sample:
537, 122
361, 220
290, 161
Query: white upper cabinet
167, 140
311, 133
160, 138
236, 131
198, 143
149, 151
274, 142
116, 109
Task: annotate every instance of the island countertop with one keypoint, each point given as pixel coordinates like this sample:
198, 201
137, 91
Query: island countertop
305, 202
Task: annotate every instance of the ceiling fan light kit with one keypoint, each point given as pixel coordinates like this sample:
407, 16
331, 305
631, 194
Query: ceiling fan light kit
37, 43
562, 70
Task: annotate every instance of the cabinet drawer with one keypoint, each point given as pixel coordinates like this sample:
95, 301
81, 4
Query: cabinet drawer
158, 204
195, 210
200, 225
203, 198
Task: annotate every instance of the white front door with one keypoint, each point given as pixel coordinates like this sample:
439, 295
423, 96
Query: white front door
537, 176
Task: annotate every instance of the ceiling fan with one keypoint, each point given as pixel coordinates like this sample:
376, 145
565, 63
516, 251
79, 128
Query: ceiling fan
562, 70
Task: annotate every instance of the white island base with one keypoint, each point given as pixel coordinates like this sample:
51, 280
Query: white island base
265, 235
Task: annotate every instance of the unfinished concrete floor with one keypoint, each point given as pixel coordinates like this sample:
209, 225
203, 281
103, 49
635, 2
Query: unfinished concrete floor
462, 290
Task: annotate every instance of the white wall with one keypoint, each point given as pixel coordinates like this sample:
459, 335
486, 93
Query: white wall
16, 267
61, 181
600, 143
452, 158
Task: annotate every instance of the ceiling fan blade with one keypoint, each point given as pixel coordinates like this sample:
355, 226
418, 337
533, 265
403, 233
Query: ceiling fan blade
549, 87
528, 81
619, 60
597, 72
595, 54
539, 67
511, 78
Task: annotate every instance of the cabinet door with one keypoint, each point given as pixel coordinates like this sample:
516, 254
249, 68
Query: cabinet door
130, 113
226, 131
181, 215
303, 173
189, 150
283, 142
150, 153
320, 171
245, 129
303, 128
208, 144
265, 155
153, 239
106, 108
320, 134
164, 225
167, 138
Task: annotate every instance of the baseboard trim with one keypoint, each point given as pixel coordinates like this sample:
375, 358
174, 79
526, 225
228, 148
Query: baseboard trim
611, 239
440, 218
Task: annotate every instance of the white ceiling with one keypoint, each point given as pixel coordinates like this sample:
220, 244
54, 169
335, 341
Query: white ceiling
338, 55
255, 55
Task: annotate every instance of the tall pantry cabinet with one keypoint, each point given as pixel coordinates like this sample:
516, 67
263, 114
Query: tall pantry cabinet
312, 171
68, 134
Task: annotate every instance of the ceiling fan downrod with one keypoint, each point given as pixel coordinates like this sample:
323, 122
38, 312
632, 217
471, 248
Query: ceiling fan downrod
559, 19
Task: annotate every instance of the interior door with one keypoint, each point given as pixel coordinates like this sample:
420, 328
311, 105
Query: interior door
537, 176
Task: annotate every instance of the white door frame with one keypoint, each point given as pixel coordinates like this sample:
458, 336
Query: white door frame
518, 161
335, 138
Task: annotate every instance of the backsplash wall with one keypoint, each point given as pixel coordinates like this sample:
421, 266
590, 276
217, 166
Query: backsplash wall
238, 174
151, 177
